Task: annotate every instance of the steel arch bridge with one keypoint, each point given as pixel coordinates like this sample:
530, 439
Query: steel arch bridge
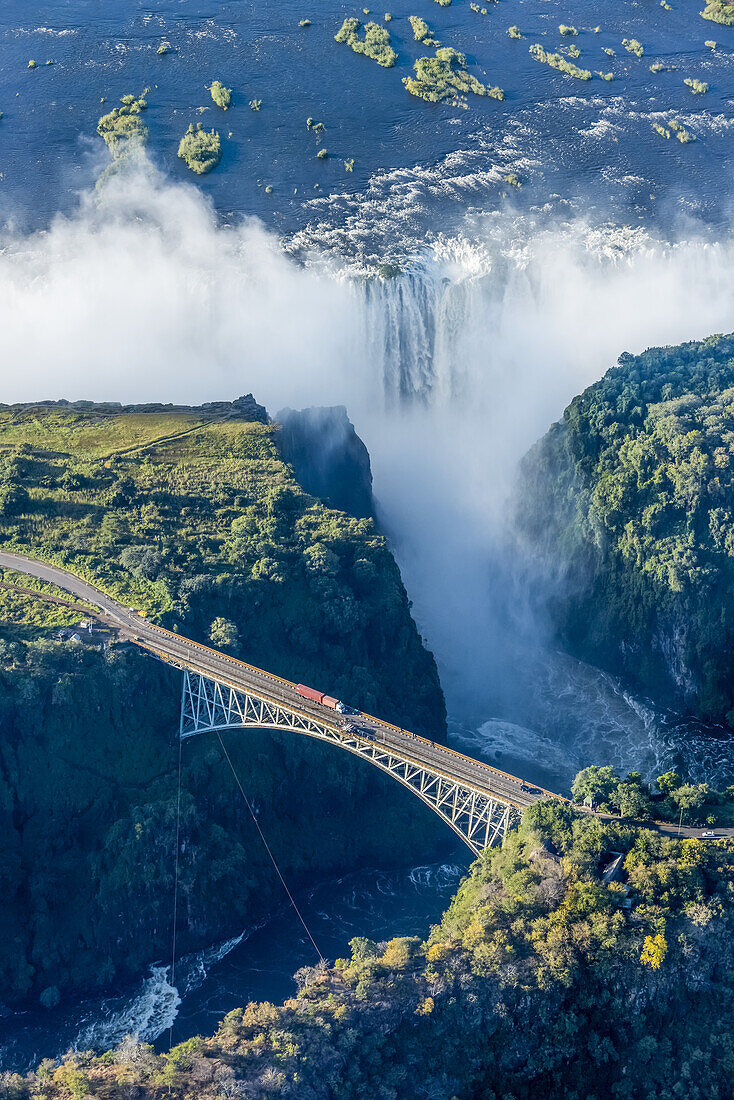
479, 817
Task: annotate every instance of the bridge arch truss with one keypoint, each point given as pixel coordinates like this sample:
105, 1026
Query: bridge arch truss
480, 818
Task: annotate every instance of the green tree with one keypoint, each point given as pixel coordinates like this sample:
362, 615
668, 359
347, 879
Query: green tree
595, 785
223, 633
668, 781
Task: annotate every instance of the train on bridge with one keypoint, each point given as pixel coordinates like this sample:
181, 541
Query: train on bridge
325, 700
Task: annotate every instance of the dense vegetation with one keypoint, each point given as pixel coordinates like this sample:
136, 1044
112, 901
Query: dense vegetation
672, 798
191, 516
583, 960
200, 149
718, 11
627, 506
444, 76
375, 44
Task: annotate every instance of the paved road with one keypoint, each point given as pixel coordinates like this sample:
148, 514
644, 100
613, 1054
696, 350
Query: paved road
185, 653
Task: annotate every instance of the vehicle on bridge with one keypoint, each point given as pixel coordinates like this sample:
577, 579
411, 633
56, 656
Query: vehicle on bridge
325, 700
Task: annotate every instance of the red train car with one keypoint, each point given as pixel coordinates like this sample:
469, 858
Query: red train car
325, 700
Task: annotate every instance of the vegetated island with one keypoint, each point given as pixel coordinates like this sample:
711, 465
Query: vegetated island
123, 132
200, 149
222, 96
558, 61
719, 12
445, 76
197, 517
582, 960
627, 512
375, 44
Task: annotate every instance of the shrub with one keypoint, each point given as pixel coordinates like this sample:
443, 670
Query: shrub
441, 77
698, 87
718, 11
557, 61
631, 45
200, 150
122, 129
222, 96
375, 44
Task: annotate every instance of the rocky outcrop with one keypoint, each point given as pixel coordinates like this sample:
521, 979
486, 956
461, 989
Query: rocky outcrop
328, 457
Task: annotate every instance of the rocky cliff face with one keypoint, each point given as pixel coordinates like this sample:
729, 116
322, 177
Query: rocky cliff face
626, 513
330, 460
193, 517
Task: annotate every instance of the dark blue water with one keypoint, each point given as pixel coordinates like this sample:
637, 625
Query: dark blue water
414, 162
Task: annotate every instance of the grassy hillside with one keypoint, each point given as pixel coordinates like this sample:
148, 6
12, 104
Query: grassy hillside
627, 507
191, 516
542, 980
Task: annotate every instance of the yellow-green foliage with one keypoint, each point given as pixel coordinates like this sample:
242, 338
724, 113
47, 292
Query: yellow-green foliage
322, 154
605, 76
163, 49
222, 96
422, 32
609, 51
698, 87
122, 130
375, 44
654, 951
443, 3
255, 104
658, 67
719, 12
33, 611
349, 164
32, 64
557, 61
631, 45
566, 30
660, 130
444, 76
201, 150
710, 43
513, 32
684, 136
304, 22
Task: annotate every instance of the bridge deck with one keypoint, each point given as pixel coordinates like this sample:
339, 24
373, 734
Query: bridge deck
185, 653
